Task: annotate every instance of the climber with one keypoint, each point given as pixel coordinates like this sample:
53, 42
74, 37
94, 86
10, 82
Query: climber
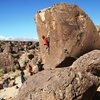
40, 66
30, 70
6, 82
45, 41
22, 75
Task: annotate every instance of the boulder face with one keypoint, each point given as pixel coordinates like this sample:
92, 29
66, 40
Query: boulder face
78, 82
70, 33
98, 29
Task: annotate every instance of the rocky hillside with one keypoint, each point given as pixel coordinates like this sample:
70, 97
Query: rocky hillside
15, 54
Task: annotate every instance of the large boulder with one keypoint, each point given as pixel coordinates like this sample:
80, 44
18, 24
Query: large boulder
70, 31
78, 82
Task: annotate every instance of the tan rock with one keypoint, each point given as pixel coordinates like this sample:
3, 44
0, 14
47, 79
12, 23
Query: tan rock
78, 82
98, 29
71, 33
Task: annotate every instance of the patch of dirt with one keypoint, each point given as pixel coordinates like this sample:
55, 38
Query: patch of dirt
11, 92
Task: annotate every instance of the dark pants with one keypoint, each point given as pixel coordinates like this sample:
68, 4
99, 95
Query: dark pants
22, 79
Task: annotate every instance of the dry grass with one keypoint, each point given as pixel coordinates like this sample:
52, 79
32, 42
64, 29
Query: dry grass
1, 72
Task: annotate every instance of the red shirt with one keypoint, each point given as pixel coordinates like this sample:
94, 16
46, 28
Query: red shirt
30, 68
45, 41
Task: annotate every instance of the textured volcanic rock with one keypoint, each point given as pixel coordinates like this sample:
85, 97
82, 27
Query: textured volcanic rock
78, 82
70, 31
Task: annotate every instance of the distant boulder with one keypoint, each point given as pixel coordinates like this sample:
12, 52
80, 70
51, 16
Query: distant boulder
23, 59
1, 50
6, 62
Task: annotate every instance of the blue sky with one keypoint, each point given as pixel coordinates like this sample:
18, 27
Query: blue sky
17, 16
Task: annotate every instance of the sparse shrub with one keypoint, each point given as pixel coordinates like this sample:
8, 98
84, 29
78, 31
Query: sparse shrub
1, 72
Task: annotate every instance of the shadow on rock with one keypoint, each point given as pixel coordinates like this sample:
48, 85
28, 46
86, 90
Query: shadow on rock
97, 96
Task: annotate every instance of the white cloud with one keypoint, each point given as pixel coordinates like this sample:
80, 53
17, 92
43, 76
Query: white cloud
17, 39
5, 38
